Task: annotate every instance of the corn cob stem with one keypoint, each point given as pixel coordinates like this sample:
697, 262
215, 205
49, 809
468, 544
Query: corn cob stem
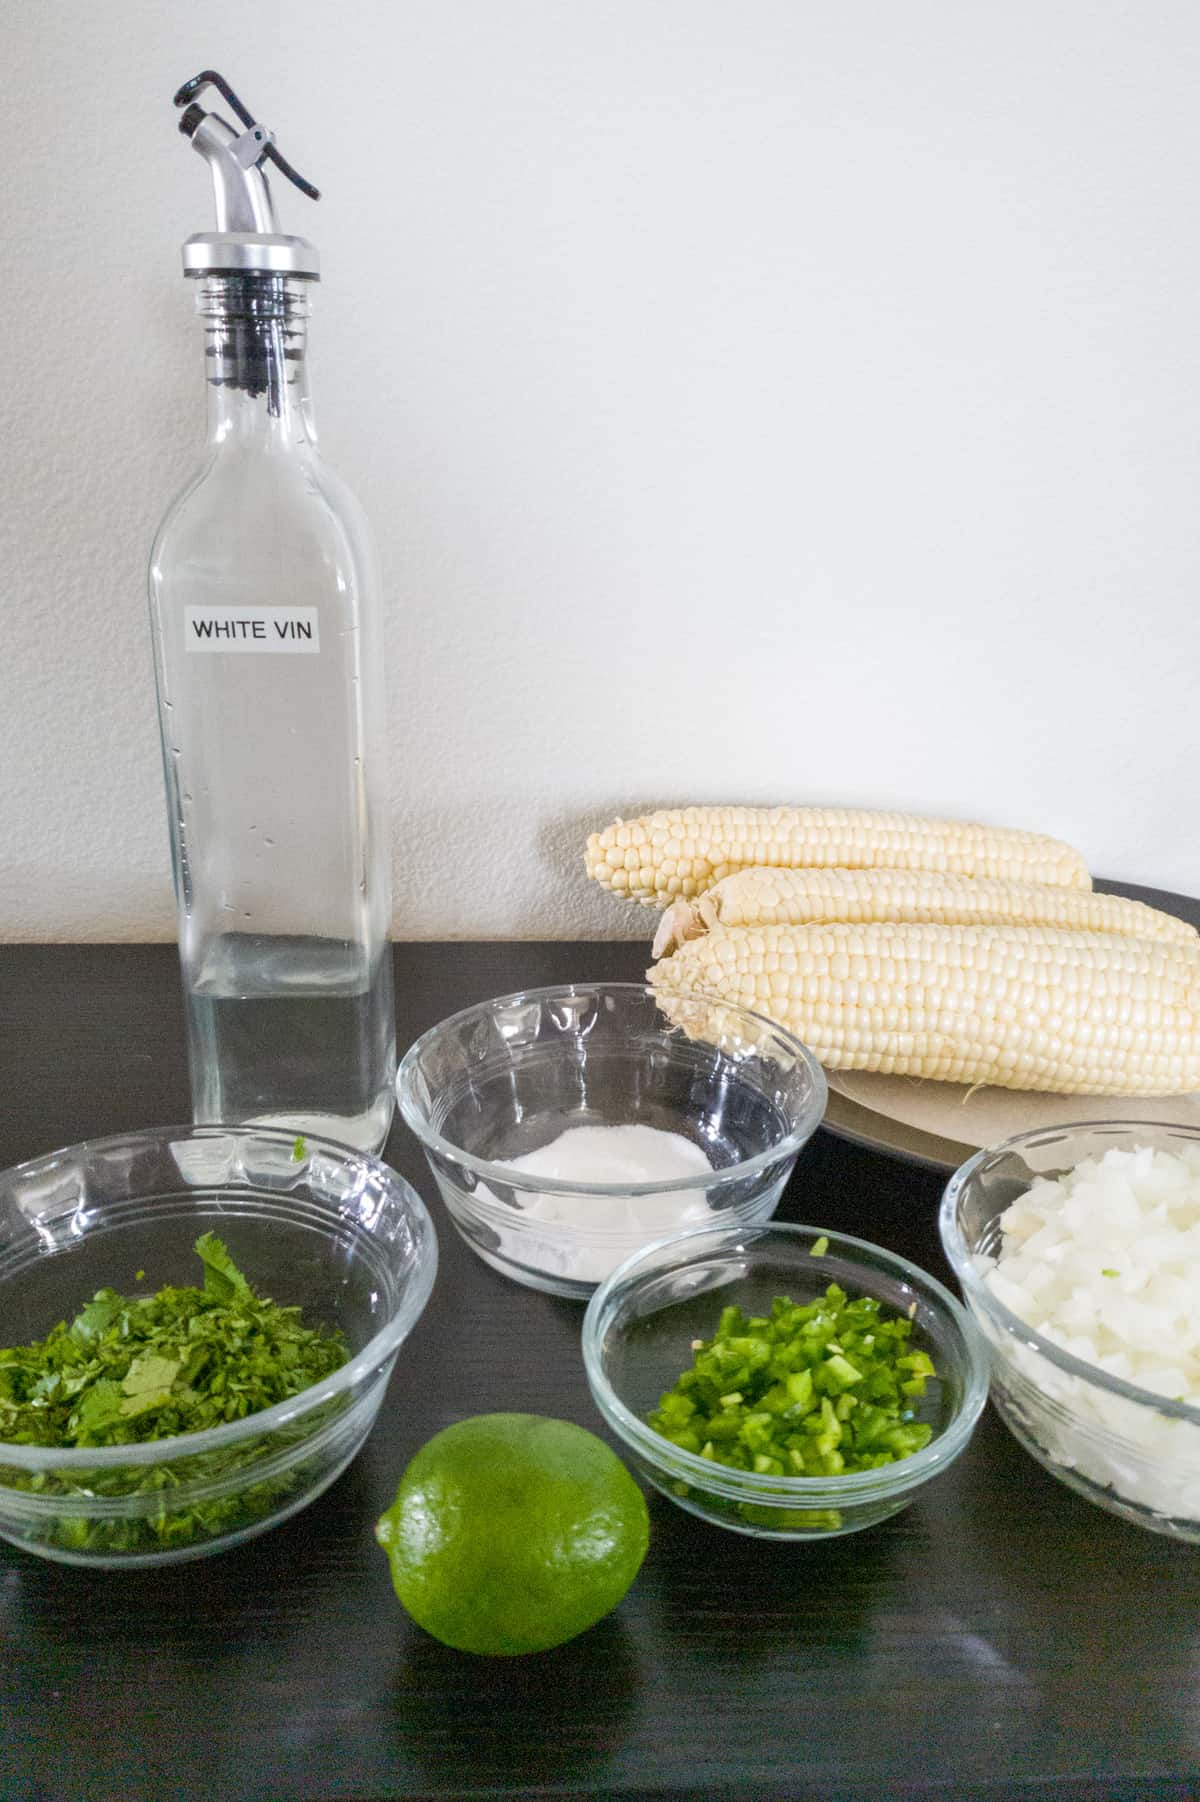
681, 852
1016, 1007
759, 897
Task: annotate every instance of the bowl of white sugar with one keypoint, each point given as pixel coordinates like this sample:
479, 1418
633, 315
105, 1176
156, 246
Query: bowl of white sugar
567, 1127
1078, 1252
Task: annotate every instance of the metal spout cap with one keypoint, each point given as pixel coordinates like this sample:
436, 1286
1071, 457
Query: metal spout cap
247, 239
263, 253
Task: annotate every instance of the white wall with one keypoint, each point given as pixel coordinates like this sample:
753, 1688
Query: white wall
753, 398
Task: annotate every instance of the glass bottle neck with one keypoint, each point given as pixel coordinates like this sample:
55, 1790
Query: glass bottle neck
255, 332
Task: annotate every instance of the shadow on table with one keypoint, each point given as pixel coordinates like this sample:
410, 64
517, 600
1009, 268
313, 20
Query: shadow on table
727, 1593
255, 1595
543, 1718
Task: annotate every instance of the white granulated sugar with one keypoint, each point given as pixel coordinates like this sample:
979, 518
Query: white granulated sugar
602, 1231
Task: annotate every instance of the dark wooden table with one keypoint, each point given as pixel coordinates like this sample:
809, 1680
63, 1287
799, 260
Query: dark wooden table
1002, 1638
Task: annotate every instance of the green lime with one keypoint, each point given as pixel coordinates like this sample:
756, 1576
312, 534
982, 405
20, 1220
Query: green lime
512, 1533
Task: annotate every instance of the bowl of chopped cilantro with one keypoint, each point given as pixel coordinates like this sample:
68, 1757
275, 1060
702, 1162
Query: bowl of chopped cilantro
783, 1381
197, 1325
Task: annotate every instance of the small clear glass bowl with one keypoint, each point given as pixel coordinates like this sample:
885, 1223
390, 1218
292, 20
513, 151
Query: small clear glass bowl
643, 1323
507, 1077
331, 1230
1130, 1451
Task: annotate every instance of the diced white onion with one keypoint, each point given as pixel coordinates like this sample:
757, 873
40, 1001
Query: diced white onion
1105, 1263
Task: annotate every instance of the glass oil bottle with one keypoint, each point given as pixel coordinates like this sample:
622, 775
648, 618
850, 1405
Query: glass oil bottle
265, 619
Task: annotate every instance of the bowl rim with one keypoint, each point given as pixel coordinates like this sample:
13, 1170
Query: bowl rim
981, 1298
790, 1145
743, 1485
380, 1346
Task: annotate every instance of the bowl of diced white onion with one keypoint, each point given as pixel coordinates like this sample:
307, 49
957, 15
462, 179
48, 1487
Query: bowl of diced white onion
1078, 1252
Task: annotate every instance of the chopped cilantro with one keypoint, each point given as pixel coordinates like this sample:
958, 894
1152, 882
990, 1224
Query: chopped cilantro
222, 1278
131, 1370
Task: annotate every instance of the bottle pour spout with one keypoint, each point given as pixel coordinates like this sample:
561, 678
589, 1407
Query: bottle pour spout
247, 238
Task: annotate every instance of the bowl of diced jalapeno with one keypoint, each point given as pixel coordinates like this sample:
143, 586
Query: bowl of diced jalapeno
784, 1381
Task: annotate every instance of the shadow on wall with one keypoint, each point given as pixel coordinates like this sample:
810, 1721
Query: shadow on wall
497, 866
487, 867
561, 840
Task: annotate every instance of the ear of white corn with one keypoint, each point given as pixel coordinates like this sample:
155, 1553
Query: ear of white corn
758, 897
683, 851
1016, 1007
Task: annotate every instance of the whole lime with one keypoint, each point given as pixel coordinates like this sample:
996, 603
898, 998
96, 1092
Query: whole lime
512, 1533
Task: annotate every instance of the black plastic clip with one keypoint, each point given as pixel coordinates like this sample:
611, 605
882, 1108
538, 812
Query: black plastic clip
209, 78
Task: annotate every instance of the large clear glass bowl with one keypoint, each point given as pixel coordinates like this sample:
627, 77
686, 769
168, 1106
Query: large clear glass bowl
310, 1223
1130, 1451
508, 1076
642, 1324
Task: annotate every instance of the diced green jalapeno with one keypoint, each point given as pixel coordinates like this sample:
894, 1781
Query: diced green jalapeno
811, 1390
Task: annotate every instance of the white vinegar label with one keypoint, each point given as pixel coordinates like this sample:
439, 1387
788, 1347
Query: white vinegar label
288, 629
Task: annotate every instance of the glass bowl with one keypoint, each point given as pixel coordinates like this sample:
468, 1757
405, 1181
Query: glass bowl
642, 1324
309, 1222
1130, 1451
505, 1078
